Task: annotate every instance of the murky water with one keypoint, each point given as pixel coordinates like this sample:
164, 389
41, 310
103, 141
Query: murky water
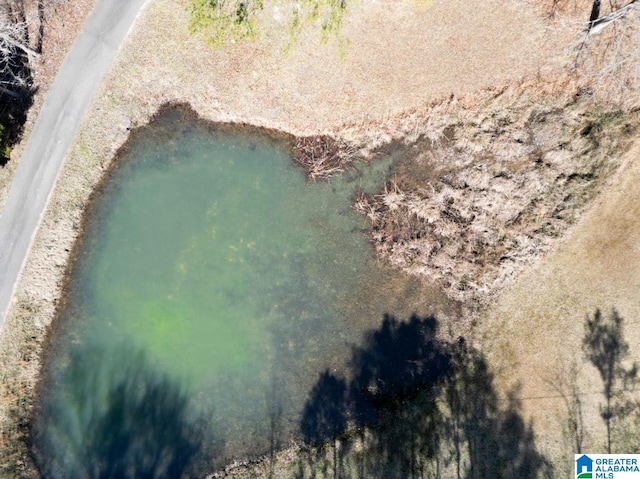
212, 286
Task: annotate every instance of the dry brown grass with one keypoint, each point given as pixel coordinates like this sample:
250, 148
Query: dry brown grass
387, 82
534, 331
488, 190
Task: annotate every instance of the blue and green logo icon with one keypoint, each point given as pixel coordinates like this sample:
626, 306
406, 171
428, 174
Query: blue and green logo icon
584, 467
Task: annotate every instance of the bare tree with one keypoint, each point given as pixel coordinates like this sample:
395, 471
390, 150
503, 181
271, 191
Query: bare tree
14, 59
16, 55
607, 53
595, 12
22, 28
597, 23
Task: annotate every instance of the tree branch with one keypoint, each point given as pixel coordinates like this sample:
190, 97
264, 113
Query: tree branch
9, 92
596, 26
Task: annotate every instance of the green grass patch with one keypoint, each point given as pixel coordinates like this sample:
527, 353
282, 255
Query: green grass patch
601, 121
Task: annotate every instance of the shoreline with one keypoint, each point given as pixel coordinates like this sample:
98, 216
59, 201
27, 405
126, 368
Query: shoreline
98, 191
53, 133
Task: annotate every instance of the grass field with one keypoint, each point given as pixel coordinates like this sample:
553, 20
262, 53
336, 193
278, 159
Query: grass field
400, 71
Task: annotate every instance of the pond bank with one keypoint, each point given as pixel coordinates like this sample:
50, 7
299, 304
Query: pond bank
266, 281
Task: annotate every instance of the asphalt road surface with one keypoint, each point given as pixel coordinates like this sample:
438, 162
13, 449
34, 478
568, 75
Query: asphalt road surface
67, 101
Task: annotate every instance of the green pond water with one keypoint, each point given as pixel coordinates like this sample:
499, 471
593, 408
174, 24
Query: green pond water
212, 286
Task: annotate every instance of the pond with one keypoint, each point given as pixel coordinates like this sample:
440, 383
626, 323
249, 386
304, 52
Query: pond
211, 287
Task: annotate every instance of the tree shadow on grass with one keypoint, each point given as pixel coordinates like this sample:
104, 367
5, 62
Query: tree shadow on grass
416, 406
116, 417
606, 348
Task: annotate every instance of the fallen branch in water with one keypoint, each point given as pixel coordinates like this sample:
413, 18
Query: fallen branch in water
323, 156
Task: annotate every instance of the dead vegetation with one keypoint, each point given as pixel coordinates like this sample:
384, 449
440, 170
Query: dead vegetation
19, 361
322, 156
603, 46
487, 188
486, 192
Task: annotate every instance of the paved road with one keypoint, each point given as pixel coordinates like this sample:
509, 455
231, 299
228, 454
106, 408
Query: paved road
55, 128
